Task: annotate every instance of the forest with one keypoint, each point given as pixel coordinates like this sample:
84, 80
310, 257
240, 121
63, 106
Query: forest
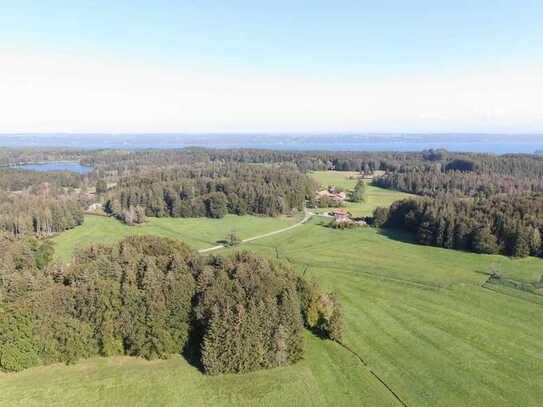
458, 183
123, 162
115, 162
210, 190
495, 225
481, 206
14, 179
39, 215
153, 297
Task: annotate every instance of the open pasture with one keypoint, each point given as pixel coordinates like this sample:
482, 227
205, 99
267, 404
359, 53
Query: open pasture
375, 196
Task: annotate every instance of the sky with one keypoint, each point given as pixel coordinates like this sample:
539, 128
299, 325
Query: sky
276, 66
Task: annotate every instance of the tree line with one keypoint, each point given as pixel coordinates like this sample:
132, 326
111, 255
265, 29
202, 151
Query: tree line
122, 162
153, 297
498, 224
16, 179
432, 182
125, 162
210, 190
482, 203
39, 215
13, 156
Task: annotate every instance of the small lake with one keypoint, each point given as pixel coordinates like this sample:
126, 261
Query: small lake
56, 166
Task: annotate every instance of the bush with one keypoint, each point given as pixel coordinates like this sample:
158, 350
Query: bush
347, 224
322, 312
380, 217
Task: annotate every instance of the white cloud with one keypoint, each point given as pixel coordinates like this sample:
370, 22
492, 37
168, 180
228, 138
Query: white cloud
64, 93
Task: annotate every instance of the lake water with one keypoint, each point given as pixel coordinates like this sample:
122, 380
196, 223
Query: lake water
56, 166
495, 148
497, 144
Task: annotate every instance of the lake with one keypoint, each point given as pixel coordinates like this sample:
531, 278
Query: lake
56, 166
497, 144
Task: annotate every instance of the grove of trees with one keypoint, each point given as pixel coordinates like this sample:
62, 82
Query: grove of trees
212, 190
433, 182
493, 225
39, 215
153, 297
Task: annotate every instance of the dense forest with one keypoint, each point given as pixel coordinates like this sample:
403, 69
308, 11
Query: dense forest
193, 182
482, 203
153, 297
117, 163
123, 162
493, 225
40, 203
211, 190
39, 215
15, 179
432, 182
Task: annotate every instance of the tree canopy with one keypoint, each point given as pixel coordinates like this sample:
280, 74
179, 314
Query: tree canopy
152, 297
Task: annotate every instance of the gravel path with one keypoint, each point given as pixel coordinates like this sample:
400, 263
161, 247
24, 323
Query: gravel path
308, 215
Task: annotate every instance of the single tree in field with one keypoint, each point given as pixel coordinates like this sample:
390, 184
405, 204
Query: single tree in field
233, 239
358, 194
495, 271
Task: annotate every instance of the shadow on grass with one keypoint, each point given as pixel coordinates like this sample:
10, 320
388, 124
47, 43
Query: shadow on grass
398, 235
192, 351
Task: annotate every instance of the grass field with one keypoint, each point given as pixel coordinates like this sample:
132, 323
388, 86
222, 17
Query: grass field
418, 315
199, 233
375, 196
328, 376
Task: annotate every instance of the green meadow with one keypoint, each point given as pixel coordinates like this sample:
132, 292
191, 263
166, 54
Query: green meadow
197, 232
421, 318
329, 376
375, 196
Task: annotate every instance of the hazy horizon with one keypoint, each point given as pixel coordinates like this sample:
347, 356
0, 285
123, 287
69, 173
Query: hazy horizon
483, 143
349, 66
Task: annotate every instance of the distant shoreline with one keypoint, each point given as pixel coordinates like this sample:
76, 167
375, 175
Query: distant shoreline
490, 144
60, 165
39, 163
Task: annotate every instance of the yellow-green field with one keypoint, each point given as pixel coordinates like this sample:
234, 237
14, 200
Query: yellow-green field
375, 196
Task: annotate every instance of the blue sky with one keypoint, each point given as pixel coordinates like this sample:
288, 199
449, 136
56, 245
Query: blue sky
329, 47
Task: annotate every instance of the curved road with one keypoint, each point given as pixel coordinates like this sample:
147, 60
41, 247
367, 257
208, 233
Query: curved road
308, 215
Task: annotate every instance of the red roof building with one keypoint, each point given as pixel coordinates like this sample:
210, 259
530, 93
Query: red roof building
341, 214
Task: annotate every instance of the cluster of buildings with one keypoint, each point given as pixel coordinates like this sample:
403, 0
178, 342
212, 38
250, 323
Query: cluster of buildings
336, 198
332, 195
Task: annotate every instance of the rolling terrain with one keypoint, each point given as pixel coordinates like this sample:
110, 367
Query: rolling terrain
199, 233
375, 196
422, 326
420, 317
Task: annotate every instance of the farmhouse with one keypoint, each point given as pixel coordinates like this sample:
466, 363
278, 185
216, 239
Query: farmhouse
331, 195
341, 215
